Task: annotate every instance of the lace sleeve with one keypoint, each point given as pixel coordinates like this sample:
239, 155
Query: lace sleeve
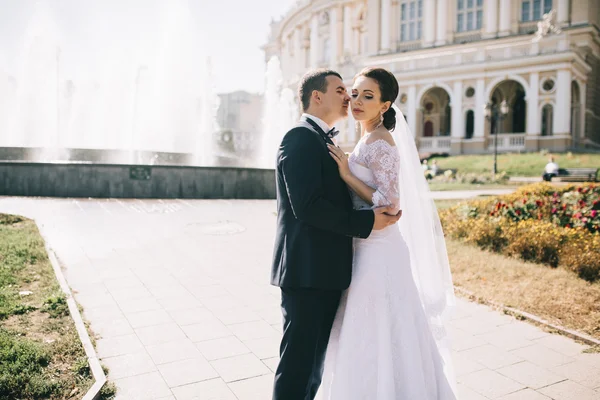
384, 162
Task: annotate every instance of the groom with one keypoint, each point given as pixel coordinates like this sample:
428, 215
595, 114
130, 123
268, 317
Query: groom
315, 225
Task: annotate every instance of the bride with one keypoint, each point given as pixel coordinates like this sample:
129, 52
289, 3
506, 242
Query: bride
388, 341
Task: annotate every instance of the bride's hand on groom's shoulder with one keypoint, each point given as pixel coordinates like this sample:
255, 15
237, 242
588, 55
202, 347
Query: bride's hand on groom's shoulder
341, 160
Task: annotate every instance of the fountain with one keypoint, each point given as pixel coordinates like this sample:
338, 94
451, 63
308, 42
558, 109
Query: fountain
136, 111
280, 115
131, 124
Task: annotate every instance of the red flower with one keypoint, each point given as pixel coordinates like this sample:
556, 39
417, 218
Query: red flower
524, 201
594, 213
539, 203
564, 207
577, 215
518, 212
554, 210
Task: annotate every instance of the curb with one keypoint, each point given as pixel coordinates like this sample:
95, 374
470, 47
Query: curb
533, 318
90, 351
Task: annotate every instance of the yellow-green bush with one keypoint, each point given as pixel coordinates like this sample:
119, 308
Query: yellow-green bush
528, 235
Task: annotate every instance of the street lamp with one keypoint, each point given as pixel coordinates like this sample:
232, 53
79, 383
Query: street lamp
493, 112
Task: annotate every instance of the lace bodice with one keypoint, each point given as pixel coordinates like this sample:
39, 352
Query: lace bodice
377, 164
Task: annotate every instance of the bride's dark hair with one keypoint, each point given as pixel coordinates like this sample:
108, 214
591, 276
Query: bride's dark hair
388, 86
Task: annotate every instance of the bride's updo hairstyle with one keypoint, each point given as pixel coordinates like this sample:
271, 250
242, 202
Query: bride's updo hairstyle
388, 86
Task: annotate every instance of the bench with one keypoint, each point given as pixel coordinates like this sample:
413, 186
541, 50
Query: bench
578, 174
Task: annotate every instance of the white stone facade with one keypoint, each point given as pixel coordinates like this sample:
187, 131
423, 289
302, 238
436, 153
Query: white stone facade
451, 57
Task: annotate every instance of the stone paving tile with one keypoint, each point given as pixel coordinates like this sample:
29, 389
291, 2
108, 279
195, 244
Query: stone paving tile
222, 348
240, 367
129, 365
210, 328
562, 344
254, 388
490, 383
184, 372
168, 352
568, 390
157, 334
190, 316
271, 363
464, 365
142, 387
115, 327
464, 393
491, 356
214, 389
525, 394
119, 345
542, 356
505, 340
253, 330
264, 347
581, 373
148, 318
530, 375
236, 316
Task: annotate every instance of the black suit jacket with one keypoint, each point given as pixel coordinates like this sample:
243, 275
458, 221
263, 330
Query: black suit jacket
315, 220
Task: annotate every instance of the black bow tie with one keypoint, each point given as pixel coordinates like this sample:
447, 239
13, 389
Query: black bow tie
332, 133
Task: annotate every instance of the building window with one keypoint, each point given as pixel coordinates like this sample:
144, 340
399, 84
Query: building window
470, 125
533, 10
469, 15
411, 12
547, 112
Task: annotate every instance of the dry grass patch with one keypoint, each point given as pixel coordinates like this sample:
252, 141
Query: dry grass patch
41, 356
554, 294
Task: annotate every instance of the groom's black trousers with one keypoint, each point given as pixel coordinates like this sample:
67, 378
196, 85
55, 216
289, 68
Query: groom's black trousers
308, 315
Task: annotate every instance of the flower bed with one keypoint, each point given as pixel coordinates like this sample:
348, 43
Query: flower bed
539, 223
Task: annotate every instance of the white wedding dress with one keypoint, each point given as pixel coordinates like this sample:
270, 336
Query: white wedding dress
381, 345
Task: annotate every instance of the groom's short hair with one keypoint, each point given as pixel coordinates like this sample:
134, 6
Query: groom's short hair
315, 79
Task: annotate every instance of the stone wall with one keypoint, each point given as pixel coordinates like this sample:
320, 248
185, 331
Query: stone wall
133, 181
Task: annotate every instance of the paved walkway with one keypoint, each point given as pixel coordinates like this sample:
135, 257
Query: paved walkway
468, 194
177, 293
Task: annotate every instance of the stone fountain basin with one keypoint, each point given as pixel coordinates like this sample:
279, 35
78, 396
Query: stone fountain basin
117, 179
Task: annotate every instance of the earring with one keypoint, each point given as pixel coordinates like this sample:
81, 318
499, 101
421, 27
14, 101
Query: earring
380, 119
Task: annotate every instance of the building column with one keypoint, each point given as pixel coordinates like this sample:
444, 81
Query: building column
314, 41
429, 28
298, 52
386, 20
347, 30
490, 13
505, 18
457, 130
533, 114
412, 109
480, 102
333, 37
442, 18
373, 25
562, 111
562, 12
352, 134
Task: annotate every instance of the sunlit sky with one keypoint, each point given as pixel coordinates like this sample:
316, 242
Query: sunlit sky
94, 34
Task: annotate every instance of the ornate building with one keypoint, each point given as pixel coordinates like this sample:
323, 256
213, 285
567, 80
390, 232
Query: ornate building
452, 57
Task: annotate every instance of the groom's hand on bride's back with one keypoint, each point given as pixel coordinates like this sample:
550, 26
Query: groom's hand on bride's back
383, 219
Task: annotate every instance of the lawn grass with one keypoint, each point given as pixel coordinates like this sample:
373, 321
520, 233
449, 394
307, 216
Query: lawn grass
525, 164
554, 294
41, 356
